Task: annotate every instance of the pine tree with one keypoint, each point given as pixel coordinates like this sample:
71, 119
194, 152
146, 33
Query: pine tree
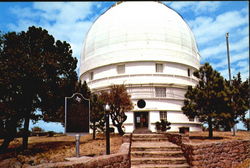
206, 99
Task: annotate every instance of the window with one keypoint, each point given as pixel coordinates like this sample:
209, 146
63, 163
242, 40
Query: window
160, 92
158, 67
120, 69
188, 72
163, 115
91, 76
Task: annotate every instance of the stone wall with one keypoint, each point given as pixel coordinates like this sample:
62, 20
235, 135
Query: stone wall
213, 154
118, 160
178, 139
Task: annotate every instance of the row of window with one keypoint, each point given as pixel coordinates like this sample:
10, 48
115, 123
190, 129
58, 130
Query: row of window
163, 116
121, 70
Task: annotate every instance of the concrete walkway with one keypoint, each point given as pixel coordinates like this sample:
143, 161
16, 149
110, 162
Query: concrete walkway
155, 151
142, 131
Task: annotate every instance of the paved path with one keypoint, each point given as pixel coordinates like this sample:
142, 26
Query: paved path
155, 151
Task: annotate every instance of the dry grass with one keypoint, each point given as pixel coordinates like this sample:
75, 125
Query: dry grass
55, 149
201, 137
244, 164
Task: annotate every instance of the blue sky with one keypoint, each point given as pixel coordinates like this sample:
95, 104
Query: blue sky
209, 21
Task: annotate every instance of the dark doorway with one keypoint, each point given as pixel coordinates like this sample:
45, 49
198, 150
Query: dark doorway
141, 119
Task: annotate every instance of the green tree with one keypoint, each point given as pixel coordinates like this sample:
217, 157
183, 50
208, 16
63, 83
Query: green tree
96, 105
37, 72
83, 89
96, 113
119, 100
237, 101
206, 99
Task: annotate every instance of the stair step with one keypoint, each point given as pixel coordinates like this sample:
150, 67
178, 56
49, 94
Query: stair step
172, 160
159, 154
149, 139
149, 135
160, 166
154, 148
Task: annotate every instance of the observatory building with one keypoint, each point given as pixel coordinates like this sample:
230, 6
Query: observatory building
150, 48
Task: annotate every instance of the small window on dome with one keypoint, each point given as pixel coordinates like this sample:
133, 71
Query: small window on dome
91, 75
158, 67
188, 71
120, 69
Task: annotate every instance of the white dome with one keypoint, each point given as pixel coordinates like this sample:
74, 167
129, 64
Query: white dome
139, 31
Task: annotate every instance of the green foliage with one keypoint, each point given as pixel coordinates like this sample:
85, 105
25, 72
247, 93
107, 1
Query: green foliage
162, 126
119, 100
207, 97
214, 101
37, 72
97, 114
237, 101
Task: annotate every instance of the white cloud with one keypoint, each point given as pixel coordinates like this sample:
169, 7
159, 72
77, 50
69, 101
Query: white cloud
207, 29
67, 21
25, 12
242, 64
219, 50
234, 58
180, 5
196, 7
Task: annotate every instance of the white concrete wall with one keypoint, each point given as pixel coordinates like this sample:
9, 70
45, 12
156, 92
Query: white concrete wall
133, 69
141, 80
154, 117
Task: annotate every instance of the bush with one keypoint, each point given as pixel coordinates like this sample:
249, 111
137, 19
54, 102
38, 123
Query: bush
50, 133
163, 126
37, 129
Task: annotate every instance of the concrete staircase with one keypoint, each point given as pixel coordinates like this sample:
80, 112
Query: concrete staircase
155, 151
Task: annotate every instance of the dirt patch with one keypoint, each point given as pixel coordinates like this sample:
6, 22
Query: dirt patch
200, 137
55, 149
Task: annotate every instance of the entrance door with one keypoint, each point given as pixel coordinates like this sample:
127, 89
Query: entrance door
141, 119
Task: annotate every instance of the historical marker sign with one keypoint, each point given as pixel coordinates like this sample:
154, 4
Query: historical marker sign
77, 114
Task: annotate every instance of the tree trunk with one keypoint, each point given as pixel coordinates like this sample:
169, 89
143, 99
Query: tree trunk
210, 127
5, 144
26, 131
94, 128
10, 134
120, 131
227, 126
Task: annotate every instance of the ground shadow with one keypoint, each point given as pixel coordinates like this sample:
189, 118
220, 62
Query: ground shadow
205, 138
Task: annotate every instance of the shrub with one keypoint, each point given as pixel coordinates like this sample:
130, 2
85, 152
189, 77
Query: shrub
163, 126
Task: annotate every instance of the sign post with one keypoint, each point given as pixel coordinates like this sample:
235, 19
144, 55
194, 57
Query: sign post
77, 145
107, 108
77, 115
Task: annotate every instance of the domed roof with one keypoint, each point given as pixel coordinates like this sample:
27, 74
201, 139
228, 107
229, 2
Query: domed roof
139, 31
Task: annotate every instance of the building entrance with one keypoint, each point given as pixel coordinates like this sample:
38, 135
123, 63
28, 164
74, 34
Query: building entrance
141, 119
